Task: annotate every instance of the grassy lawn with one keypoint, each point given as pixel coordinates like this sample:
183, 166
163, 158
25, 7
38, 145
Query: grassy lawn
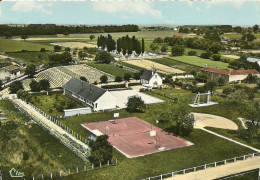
49, 103
110, 69
8, 45
198, 51
197, 61
128, 65
31, 57
45, 153
176, 64
207, 148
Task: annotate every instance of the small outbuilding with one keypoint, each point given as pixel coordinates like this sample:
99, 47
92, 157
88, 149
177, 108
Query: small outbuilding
150, 79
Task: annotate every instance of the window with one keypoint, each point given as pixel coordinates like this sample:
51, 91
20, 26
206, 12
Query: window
96, 105
155, 76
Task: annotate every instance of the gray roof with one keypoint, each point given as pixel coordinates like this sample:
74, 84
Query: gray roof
249, 59
147, 74
84, 89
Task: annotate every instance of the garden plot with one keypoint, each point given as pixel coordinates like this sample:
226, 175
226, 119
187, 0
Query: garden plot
74, 45
122, 97
58, 76
146, 64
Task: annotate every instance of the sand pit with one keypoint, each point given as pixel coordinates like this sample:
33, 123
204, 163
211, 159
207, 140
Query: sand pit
209, 120
78, 45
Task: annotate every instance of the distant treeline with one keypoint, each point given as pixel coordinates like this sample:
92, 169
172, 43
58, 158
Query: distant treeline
52, 29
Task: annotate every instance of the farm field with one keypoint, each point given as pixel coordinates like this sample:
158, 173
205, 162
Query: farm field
35, 58
197, 61
238, 36
110, 69
147, 64
75, 45
7, 45
128, 65
17, 153
175, 64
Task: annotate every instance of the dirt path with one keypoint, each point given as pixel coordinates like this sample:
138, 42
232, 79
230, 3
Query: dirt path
221, 171
209, 120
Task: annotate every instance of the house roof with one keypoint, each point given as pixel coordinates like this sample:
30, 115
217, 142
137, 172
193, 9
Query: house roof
84, 89
178, 35
249, 59
227, 72
11, 67
147, 74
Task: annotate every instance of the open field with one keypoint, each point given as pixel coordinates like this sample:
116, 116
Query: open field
74, 45
7, 45
176, 64
231, 56
110, 69
238, 36
128, 65
146, 64
20, 136
35, 58
197, 61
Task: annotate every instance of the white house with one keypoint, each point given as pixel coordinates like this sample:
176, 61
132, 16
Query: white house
253, 60
150, 79
10, 72
97, 98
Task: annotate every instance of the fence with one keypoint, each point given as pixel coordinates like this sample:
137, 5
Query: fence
202, 167
71, 171
78, 149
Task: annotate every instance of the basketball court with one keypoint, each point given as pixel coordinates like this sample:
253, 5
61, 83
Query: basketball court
134, 137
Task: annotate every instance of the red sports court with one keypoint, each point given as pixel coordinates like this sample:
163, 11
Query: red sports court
134, 137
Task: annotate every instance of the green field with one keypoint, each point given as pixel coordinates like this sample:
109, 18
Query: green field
200, 62
36, 58
128, 65
7, 45
238, 36
45, 153
110, 69
176, 64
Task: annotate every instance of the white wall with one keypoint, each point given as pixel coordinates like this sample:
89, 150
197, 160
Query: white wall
106, 101
4, 74
155, 79
237, 77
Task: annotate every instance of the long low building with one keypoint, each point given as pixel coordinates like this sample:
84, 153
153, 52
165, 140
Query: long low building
230, 76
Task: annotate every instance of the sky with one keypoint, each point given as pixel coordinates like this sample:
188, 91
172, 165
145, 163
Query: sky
208, 12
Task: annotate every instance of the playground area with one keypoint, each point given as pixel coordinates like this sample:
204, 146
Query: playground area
209, 120
134, 137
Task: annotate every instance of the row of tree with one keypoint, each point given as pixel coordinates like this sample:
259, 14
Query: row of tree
52, 29
124, 44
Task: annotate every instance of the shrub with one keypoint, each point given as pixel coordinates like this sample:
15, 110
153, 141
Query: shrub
205, 55
192, 53
118, 79
216, 57
42, 50
103, 79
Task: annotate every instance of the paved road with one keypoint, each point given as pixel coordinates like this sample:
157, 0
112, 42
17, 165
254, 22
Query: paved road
221, 171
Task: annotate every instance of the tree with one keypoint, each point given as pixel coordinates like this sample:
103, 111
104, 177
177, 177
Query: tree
164, 48
221, 81
255, 28
238, 96
127, 76
138, 47
24, 37
142, 45
205, 55
35, 86
30, 70
192, 53
158, 40
8, 35
57, 59
119, 45
1, 83
16, 86
210, 86
83, 79
135, 103
66, 33
178, 50
42, 50
215, 47
251, 78
91, 37
216, 57
130, 46
57, 48
44, 84
101, 150
154, 47
180, 118
104, 57
201, 77
124, 46
103, 79
118, 79
67, 49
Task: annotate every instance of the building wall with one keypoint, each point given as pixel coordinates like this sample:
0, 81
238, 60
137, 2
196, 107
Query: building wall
106, 102
237, 77
73, 112
215, 76
155, 81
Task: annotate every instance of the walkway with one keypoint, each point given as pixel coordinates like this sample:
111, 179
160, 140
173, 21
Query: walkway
221, 171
